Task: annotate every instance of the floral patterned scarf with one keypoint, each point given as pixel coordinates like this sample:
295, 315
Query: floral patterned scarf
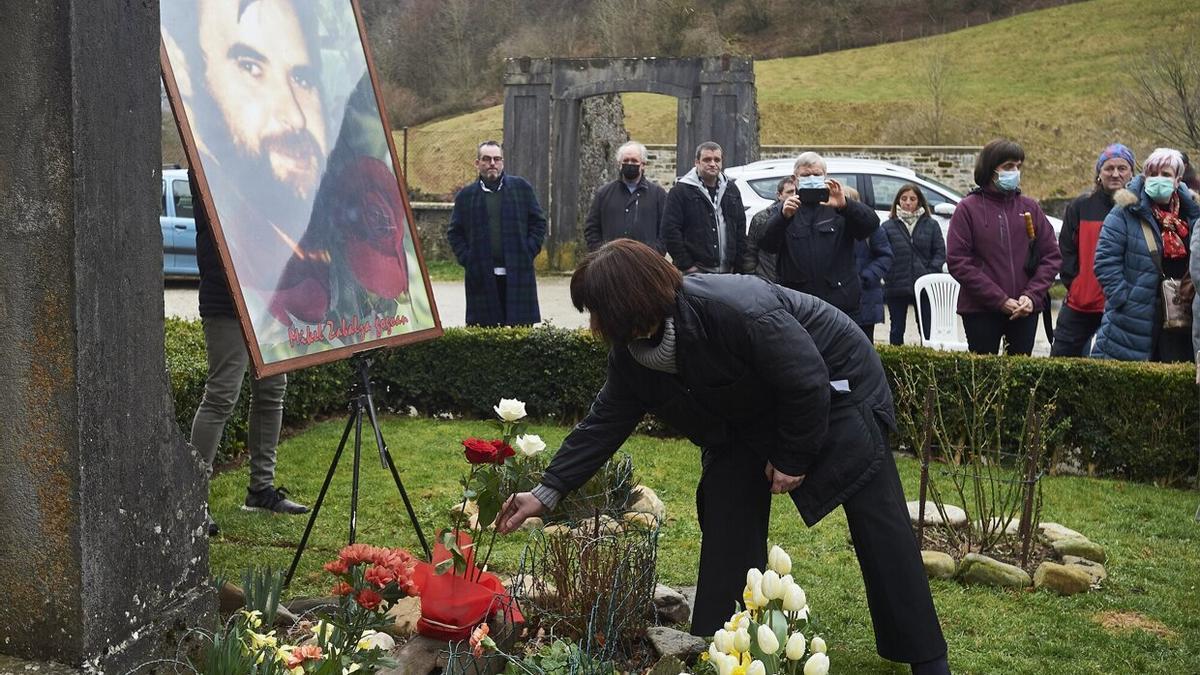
1174, 229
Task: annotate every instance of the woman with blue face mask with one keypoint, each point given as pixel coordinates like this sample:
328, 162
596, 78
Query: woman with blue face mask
1145, 239
1002, 251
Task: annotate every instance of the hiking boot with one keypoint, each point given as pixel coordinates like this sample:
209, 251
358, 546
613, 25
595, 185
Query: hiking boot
273, 499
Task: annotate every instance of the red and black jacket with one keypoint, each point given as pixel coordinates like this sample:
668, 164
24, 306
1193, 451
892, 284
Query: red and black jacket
1077, 242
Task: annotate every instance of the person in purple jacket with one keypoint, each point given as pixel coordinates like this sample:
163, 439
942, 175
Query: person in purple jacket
1003, 252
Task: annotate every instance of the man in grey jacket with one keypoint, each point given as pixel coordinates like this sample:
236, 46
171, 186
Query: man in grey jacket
630, 207
704, 225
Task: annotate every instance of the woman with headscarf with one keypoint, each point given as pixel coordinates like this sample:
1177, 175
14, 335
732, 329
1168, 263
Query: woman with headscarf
1144, 242
1002, 250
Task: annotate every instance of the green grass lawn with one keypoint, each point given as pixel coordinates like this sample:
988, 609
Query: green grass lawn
444, 270
1051, 79
1152, 540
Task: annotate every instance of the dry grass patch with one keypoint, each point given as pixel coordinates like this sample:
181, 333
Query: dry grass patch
1126, 622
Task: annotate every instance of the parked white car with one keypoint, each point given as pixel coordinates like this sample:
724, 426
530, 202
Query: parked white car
876, 182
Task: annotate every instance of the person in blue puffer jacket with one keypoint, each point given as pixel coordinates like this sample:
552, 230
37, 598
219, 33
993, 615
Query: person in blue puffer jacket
1131, 329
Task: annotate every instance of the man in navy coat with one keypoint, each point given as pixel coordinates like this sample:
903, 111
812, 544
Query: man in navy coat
496, 230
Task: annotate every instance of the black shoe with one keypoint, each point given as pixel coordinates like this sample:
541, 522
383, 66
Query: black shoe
273, 499
210, 526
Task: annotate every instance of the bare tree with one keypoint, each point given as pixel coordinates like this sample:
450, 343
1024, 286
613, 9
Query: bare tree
939, 86
1166, 98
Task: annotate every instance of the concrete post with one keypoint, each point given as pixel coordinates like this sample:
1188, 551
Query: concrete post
103, 557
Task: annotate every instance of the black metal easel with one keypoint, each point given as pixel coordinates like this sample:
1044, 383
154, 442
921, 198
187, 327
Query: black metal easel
360, 403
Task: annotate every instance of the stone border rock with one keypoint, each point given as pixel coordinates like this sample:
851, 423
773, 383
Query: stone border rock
1080, 567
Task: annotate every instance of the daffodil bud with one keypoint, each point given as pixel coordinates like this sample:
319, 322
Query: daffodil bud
779, 561
818, 644
767, 642
741, 640
795, 647
817, 664
756, 668
772, 585
794, 599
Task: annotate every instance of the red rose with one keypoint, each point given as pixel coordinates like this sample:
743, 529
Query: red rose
479, 451
342, 588
368, 599
380, 576
369, 212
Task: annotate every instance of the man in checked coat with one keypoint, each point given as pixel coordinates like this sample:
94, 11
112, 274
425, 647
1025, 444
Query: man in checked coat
496, 230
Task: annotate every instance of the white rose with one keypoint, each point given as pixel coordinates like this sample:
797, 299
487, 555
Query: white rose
794, 599
767, 641
817, 664
772, 585
818, 644
779, 561
795, 647
510, 409
530, 444
756, 668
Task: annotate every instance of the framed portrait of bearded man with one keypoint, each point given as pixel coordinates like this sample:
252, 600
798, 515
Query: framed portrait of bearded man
279, 110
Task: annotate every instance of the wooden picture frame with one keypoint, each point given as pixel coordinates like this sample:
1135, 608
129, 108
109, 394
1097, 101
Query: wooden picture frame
282, 120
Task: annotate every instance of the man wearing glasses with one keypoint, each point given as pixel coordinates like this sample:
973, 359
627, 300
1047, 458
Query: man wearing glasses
630, 207
496, 230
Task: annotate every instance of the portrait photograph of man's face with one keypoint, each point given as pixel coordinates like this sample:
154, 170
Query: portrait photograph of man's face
286, 131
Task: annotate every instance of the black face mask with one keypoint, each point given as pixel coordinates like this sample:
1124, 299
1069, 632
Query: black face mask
630, 171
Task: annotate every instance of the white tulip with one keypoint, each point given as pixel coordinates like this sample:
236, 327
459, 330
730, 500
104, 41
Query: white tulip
725, 663
795, 647
753, 577
759, 598
779, 561
767, 642
530, 444
794, 599
817, 664
723, 640
741, 640
372, 640
510, 409
818, 644
756, 668
772, 585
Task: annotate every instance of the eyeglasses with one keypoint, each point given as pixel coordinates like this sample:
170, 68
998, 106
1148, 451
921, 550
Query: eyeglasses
491, 160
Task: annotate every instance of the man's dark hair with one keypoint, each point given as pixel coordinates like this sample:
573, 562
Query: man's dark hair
710, 146
787, 180
628, 287
993, 155
479, 148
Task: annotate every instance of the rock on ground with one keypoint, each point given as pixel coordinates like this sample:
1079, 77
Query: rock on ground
644, 500
980, 569
671, 642
1093, 569
939, 565
671, 605
1062, 579
1081, 547
1052, 532
955, 516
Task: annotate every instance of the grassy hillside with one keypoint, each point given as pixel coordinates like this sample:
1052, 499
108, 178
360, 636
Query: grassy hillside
1052, 79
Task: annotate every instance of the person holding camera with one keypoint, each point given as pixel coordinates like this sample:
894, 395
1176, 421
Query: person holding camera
814, 233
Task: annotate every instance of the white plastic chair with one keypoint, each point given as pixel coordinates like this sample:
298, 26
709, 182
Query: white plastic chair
942, 290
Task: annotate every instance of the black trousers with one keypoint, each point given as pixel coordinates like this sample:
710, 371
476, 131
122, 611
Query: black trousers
985, 329
1074, 332
734, 506
898, 311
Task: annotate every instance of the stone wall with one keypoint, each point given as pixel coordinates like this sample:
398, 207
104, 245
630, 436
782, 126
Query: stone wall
432, 219
952, 165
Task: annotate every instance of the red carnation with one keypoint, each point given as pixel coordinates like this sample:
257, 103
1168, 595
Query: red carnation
380, 576
357, 553
337, 567
368, 599
301, 654
342, 588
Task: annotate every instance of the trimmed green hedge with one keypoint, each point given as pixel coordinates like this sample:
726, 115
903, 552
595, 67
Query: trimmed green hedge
1130, 419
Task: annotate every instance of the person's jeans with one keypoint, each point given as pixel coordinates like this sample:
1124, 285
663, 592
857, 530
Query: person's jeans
898, 312
227, 364
1074, 332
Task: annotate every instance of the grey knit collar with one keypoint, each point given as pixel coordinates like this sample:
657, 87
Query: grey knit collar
657, 356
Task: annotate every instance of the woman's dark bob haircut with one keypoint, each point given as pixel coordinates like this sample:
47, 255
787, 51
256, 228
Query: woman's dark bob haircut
628, 287
921, 202
993, 155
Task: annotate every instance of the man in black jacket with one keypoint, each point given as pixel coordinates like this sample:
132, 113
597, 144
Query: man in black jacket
704, 225
630, 207
783, 393
815, 241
